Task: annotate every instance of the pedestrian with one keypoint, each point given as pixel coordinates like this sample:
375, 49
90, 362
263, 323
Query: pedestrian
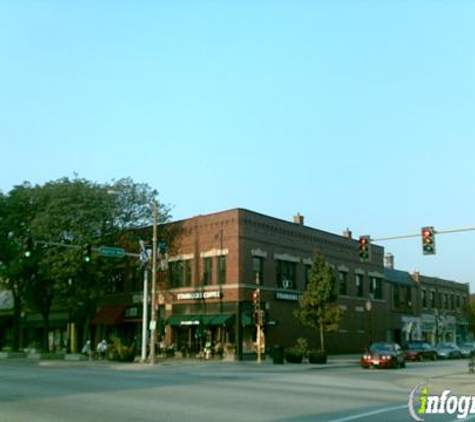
101, 349
86, 350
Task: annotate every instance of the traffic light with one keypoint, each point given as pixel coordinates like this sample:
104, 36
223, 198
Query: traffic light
364, 248
428, 240
87, 252
28, 247
255, 297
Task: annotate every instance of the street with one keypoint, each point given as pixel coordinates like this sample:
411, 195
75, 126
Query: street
188, 390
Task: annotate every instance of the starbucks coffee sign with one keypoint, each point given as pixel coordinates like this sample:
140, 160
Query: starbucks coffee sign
199, 295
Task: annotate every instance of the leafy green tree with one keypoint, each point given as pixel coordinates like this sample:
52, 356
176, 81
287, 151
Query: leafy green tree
470, 312
62, 217
17, 210
317, 307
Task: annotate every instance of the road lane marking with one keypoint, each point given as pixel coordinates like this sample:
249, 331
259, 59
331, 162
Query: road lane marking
366, 414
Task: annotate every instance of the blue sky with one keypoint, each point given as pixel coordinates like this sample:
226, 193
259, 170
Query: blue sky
356, 114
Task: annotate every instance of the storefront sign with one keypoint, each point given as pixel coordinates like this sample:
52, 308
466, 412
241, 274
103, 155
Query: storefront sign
213, 294
287, 296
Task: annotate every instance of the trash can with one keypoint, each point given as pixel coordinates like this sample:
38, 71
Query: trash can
278, 355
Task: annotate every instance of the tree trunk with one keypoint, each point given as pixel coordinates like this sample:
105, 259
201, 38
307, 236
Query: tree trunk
322, 344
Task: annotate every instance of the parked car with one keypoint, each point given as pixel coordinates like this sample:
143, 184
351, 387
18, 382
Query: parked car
448, 351
419, 351
384, 355
467, 349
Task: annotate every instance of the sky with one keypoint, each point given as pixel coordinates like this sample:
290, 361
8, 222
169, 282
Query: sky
356, 114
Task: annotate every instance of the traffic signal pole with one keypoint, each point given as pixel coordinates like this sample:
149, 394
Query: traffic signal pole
405, 236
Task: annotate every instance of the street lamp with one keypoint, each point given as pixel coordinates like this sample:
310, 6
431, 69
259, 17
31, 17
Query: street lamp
369, 307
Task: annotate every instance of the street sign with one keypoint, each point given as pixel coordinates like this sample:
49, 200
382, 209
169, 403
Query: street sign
112, 252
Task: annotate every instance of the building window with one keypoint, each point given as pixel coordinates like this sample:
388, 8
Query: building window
446, 301
258, 269
375, 288
207, 271
457, 301
359, 279
180, 273
432, 299
222, 270
307, 274
408, 294
424, 298
396, 296
342, 283
452, 301
285, 272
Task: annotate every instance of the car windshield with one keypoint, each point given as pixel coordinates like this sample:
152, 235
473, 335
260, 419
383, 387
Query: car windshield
381, 347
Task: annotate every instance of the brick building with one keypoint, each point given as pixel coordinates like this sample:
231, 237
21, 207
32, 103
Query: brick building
217, 260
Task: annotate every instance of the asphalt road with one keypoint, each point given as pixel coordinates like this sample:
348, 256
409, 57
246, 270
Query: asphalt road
182, 391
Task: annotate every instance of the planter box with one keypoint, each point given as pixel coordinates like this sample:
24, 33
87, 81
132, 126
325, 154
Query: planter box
293, 358
317, 358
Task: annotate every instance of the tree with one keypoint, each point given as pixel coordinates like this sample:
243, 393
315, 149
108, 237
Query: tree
470, 312
61, 217
317, 307
17, 210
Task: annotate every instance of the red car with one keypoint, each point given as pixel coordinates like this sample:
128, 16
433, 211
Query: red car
384, 355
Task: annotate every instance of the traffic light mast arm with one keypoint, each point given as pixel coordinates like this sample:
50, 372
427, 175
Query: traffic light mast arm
462, 229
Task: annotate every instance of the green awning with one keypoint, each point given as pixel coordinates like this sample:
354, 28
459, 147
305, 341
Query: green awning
221, 320
184, 320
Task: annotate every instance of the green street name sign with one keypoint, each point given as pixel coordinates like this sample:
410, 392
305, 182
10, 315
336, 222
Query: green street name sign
111, 252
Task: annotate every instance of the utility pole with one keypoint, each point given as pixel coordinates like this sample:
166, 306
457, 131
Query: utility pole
153, 306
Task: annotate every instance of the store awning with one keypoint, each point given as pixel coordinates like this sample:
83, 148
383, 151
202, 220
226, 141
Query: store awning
184, 320
109, 315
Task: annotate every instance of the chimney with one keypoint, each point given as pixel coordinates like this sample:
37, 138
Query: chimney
347, 233
298, 219
416, 276
389, 261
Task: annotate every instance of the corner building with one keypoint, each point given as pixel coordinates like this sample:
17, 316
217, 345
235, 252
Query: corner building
217, 261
